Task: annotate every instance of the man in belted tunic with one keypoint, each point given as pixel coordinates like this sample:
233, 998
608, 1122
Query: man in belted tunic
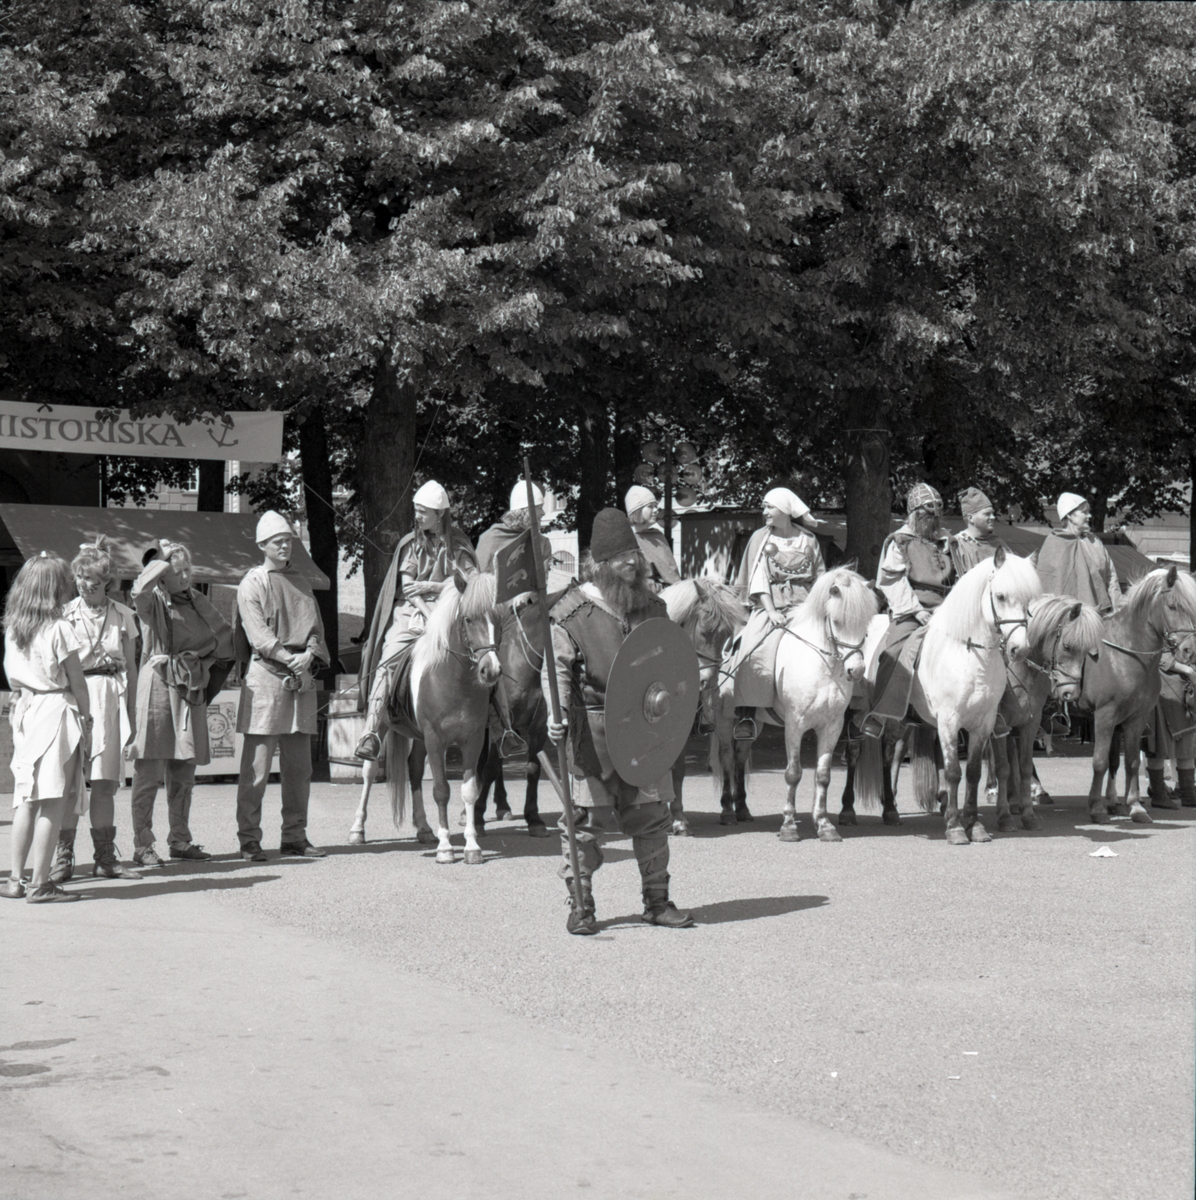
589, 624
423, 561
977, 542
281, 622
915, 575
640, 503
1073, 561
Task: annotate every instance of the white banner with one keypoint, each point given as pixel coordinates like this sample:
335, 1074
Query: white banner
252, 436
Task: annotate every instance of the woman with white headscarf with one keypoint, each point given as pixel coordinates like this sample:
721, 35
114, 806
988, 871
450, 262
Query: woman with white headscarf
781, 564
1073, 561
640, 503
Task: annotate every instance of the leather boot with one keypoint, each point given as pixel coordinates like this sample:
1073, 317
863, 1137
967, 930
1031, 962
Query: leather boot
64, 857
1187, 787
660, 910
107, 861
581, 921
1160, 797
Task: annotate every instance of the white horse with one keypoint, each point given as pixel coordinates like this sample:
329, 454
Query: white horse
961, 677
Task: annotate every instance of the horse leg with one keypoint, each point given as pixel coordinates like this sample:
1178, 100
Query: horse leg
469, 791
743, 754
851, 755
489, 771
992, 785
957, 834
1102, 744
416, 762
531, 799
1133, 752
502, 806
1025, 764
896, 752
971, 818
1117, 755
789, 831
1002, 750
369, 773
723, 749
1014, 756
822, 782
676, 806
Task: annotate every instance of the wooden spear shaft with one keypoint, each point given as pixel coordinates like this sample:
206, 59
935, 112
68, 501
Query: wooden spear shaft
554, 696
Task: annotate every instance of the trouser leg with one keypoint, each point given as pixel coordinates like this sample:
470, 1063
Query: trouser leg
648, 826
257, 751
147, 778
180, 783
589, 852
294, 772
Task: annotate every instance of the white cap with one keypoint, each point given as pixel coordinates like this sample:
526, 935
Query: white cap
1068, 503
788, 502
270, 524
637, 497
432, 495
519, 497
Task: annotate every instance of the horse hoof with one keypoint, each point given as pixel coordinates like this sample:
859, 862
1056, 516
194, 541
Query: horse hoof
1098, 818
1120, 810
847, 817
502, 814
473, 858
425, 837
957, 837
980, 834
742, 814
828, 833
537, 829
891, 817
1043, 798
1031, 821
789, 834
444, 857
727, 817
680, 829
1015, 809
356, 837
1006, 823
1140, 816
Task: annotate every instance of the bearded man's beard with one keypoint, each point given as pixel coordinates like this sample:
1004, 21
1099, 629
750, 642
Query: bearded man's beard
926, 525
622, 596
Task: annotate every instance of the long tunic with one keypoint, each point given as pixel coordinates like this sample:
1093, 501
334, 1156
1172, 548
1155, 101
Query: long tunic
46, 726
915, 573
658, 554
101, 634
278, 612
183, 637
1078, 565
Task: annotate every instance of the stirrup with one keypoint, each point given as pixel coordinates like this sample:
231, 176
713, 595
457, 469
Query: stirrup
369, 748
511, 745
745, 730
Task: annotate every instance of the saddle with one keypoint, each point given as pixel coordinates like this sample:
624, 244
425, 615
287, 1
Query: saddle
400, 704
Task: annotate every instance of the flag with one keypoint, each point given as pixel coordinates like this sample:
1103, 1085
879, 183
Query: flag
514, 569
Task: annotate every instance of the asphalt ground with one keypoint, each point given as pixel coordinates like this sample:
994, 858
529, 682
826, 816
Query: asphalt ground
1019, 1012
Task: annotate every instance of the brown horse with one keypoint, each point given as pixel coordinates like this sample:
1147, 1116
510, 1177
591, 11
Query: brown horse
711, 613
1122, 688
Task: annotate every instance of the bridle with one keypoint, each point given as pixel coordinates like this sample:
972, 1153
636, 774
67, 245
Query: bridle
838, 645
1053, 671
474, 654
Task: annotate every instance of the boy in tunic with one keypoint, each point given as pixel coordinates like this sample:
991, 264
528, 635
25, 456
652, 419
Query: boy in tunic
280, 620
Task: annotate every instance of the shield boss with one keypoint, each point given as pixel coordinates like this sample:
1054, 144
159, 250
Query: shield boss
651, 698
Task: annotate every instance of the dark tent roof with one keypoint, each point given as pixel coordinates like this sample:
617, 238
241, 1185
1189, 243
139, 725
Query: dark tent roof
221, 544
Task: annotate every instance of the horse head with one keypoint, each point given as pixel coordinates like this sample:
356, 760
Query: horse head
1013, 585
848, 604
481, 625
1064, 636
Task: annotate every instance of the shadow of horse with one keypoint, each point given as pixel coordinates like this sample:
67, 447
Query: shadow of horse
131, 890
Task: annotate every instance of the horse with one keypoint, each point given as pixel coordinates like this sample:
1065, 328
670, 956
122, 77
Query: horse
711, 613
1122, 688
819, 659
521, 654
1064, 635
454, 666
961, 676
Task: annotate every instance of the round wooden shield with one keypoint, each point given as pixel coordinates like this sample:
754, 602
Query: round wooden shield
651, 698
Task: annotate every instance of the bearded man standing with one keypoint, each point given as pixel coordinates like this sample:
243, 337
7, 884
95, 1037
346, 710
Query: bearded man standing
589, 624
915, 575
1073, 561
977, 542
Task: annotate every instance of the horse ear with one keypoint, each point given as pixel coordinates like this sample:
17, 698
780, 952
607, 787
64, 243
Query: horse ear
999, 558
1075, 610
1172, 575
1094, 655
459, 579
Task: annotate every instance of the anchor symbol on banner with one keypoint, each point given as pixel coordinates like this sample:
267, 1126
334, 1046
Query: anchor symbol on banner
222, 441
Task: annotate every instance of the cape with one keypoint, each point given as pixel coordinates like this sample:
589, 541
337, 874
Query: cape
1071, 565
499, 537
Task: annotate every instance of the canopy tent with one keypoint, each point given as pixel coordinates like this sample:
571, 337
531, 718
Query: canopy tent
221, 544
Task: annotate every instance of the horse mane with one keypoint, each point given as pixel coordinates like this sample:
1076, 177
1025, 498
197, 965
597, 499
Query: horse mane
1147, 590
684, 601
1048, 611
434, 644
961, 615
856, 602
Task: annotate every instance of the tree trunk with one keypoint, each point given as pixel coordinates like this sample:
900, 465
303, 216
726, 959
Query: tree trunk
626, 449
384, 475
321, 521
594, 428
211, 485
868, 499
1099, 508
1192, 512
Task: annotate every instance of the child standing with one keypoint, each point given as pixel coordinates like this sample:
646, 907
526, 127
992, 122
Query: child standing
51, 721
107, 632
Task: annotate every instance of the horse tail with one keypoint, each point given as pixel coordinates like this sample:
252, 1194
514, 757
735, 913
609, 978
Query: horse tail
869, 776
925, 767
398, 750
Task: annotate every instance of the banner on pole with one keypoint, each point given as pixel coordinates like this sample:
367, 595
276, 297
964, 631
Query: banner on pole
514, 571
70, 429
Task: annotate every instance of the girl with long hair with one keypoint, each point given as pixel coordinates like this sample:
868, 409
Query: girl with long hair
51, 721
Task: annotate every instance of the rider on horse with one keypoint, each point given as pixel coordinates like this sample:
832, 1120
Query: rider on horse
589, 624
977, 542
1074, 562
915, 575
640, 504
515, 522
423, 561
782, 562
